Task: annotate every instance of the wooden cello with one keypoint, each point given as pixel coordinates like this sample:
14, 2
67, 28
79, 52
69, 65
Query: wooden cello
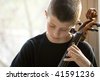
80, 35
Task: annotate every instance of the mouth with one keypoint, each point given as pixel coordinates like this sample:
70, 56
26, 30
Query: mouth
56, 40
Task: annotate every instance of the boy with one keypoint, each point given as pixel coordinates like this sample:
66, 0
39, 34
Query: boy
47, 49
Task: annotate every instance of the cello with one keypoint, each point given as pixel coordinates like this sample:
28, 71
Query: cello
80, 34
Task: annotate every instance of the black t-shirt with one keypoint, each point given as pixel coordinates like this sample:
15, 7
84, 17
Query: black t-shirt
40, 52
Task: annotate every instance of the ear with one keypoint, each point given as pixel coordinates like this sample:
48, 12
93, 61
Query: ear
46, 14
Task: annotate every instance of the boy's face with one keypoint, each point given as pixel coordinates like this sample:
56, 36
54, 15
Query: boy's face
57, 32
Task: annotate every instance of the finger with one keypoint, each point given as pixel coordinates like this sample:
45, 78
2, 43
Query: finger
74, 49
69, 54
73, 55
68, 59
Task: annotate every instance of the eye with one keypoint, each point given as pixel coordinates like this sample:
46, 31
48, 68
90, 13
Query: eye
52, 26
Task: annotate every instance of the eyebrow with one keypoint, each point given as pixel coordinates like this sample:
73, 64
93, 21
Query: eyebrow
62, 27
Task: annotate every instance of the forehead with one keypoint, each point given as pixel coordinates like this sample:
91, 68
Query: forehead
54, 21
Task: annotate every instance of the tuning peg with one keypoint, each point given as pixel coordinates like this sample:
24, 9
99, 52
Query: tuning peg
93, 29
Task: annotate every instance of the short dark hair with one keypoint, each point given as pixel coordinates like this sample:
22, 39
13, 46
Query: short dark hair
65, 10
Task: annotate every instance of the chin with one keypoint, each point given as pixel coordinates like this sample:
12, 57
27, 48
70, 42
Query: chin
57, 41
53, 41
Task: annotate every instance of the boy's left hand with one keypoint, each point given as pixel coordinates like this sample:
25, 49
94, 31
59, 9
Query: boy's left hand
76, 55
